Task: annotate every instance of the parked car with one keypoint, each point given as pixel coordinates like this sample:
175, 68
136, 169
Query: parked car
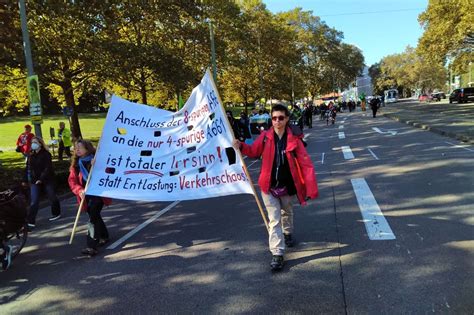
424, 98
462, 95
437, 96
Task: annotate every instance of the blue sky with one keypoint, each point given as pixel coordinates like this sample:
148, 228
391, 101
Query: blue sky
386, 32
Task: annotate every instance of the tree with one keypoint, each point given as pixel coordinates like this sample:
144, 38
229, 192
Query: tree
408, 71
449, 33
14, 95
65, 39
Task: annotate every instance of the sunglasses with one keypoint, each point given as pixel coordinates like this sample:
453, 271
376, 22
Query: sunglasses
279, 118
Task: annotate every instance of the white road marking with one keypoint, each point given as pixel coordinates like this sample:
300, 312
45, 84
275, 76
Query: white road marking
343, 121
375, 223
346, 150
373, 154
322, 159
392, 132
142, 226
342, 135
341, 127
459, 146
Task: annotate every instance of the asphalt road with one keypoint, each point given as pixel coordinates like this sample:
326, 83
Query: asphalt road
392, 232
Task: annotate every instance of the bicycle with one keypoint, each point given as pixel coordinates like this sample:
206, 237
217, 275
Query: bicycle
13, 227
330, 115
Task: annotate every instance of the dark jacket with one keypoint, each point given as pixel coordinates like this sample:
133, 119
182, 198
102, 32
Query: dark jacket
40, 167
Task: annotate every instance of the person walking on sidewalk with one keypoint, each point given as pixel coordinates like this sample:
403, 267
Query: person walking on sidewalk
287, 170
65, 143
81, 163
40, 174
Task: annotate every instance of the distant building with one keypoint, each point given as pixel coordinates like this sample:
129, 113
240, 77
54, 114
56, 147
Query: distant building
363, 85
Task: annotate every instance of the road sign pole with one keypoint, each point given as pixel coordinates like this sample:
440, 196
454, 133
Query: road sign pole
29, 60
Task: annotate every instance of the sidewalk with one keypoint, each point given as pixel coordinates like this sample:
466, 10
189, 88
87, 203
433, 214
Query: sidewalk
451, 120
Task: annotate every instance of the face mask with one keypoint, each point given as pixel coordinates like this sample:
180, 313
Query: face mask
35, 146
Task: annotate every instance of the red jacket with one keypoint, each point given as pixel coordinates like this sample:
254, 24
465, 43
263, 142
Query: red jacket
75, 183
301, 166
24, 141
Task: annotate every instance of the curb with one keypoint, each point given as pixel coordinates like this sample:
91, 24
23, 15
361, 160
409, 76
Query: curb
424, 126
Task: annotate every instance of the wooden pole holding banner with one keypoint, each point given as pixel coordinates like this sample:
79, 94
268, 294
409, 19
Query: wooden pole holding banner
240, 154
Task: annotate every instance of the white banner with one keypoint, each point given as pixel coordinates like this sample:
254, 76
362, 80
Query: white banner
146, 153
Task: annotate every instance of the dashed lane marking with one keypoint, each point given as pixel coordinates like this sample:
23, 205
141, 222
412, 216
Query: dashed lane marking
346, 150
375, 223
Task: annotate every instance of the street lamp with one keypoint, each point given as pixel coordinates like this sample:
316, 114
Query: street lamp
213, 51
470, 71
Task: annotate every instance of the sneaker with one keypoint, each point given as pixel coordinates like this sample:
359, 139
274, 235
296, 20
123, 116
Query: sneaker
7, 257
277, 262
89, 251
288, 240
54, 218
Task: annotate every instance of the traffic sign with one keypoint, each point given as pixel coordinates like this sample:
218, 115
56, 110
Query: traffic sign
67, 111
34, 95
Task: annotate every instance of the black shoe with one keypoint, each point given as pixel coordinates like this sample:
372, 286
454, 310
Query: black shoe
277, 263
89, 251
289, 240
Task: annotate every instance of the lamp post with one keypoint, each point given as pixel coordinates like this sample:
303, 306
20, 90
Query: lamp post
260, 74
213, 52
470, 71
29, 61
292, 88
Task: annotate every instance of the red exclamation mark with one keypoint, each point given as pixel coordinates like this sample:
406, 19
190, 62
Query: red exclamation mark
219, 153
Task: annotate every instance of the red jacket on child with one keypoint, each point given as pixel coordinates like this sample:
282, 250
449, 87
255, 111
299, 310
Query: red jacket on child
76, 184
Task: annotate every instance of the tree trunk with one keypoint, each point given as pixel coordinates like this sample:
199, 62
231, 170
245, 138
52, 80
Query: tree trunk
69, 96
143, 89
177, 97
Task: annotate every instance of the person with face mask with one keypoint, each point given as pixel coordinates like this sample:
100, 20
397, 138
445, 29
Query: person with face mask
40, 174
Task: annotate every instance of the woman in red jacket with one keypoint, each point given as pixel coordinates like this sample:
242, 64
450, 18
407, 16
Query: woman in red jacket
97, 234
287, 170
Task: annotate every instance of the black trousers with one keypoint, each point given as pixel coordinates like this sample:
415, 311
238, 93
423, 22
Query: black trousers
61, 149
96, 228
374, 112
